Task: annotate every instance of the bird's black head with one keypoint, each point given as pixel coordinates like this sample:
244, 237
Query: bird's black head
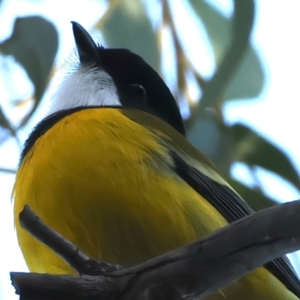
137, 84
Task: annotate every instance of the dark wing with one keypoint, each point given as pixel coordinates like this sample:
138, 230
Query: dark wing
225, 200
232, 207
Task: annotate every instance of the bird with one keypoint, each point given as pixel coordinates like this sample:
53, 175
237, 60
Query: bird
110, 168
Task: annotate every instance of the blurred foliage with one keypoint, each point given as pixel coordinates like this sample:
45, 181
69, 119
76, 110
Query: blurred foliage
238, 76
127, 26
33, 44
248, 79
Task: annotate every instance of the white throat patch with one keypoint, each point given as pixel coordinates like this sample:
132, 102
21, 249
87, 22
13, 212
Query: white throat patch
85, 87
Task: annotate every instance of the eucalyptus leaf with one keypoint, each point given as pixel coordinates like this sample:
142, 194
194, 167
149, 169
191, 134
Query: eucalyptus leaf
212, 137
33, 44
4, 122
128, 26
248, 80
216, 25
254, 150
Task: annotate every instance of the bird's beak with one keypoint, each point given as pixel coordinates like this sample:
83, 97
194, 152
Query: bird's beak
86, 47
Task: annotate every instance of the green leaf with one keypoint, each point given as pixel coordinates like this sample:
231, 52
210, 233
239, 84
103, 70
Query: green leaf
254, 150
5, 123
248, 81
217, 26
33, 43
212, 137
129, 27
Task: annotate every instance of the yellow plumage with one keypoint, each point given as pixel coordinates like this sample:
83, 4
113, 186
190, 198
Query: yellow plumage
104, 178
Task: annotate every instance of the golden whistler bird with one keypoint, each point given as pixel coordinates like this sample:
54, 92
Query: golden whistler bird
110, 169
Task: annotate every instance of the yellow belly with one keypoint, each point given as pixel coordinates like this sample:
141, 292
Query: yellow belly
105, 183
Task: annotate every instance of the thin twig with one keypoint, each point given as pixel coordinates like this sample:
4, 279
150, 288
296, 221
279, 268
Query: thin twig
6, 170
61, 246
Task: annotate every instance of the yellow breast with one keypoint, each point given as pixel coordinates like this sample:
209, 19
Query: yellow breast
107, 184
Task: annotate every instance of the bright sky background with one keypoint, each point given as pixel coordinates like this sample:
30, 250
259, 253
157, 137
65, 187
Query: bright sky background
275, 114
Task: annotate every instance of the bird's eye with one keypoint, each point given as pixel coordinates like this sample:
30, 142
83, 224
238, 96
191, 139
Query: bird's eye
138, 89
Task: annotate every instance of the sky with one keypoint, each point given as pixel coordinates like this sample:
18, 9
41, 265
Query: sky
274, 114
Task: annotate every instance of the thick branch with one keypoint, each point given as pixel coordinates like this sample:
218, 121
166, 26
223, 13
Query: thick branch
223, 257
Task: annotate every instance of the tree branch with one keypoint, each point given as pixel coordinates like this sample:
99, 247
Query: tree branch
223, 256
61, 246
